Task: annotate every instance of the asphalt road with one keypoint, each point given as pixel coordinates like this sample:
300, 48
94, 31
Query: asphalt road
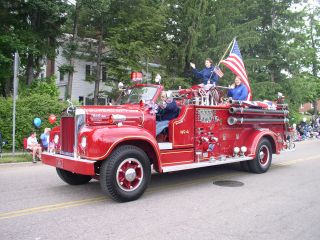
283, 203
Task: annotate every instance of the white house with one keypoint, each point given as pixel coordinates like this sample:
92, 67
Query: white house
82, 90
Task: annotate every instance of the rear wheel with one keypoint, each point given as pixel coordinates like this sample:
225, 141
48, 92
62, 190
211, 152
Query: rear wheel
73, 178
263, 158
125, 175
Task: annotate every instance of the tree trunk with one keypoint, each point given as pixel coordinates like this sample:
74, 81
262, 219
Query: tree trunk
7, 86
97, 80
71, 60
29, 69
314, 61
272, 76
315, 107
70, 80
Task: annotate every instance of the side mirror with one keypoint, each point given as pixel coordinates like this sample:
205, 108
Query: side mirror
158, 78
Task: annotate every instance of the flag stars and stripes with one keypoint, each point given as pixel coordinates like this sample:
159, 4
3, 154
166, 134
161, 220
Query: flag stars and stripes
235, 63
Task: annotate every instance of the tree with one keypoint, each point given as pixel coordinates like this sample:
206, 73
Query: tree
30, 27
70, 50
304, 45
92, 18
135, 36
200, 29
41, 22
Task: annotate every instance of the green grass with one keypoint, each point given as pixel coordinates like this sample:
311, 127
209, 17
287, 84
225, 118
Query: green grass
17, 158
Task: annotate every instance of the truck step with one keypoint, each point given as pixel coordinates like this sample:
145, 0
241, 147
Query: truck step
222, 160
165, 145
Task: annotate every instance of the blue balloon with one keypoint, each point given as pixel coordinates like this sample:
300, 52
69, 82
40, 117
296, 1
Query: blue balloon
37, 122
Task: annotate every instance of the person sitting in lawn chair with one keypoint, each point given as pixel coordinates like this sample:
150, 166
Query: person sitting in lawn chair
34, 146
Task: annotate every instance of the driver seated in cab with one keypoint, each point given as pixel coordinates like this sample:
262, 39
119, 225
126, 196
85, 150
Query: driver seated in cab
167, 110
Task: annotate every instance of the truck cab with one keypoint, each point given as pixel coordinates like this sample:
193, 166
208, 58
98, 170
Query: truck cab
117, 145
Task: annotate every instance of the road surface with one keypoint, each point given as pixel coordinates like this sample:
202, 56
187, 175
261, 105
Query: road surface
283, 203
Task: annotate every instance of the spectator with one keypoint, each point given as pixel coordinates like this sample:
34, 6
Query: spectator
238, 90
45, 138
32, 144
303, 128
207, 74
168, 110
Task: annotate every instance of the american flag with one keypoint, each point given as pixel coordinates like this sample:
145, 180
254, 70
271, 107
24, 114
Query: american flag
218, 71
235, 63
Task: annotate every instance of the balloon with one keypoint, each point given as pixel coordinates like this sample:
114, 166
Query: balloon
37, 122
52, 119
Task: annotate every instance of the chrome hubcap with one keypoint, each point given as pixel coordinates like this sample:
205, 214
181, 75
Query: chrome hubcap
130, 174
264, 155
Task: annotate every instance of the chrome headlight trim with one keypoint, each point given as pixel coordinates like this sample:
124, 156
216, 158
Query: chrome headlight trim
83, 142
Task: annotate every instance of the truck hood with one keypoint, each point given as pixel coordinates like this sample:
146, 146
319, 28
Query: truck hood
100, 115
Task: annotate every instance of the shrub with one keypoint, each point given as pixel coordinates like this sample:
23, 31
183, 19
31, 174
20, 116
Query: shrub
40, 100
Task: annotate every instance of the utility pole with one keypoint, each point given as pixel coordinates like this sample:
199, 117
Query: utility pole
15, 93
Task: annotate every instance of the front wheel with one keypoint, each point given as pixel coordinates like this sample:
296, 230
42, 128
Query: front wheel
263, 158
73, 178
125, 175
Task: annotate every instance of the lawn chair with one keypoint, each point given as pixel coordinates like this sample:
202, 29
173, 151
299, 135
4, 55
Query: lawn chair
25, 145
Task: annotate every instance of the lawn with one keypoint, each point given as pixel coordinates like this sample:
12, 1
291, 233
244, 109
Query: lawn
26, 157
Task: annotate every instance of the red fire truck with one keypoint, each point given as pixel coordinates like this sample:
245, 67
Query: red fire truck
117, 145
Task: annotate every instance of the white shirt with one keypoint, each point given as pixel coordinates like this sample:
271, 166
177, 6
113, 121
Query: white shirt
31, 141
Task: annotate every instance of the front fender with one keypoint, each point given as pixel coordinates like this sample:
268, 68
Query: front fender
255, 138
101, 141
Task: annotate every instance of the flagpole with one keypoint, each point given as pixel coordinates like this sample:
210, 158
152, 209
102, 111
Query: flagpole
226, 51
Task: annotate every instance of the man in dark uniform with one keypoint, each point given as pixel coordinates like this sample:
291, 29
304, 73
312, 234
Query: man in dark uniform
168, 110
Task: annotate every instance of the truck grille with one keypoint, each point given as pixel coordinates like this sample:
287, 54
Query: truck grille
67, 135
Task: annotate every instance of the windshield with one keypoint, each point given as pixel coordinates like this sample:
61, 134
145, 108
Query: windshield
136, 94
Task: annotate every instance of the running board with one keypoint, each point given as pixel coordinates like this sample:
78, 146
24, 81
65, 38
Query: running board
288, 150
204, 164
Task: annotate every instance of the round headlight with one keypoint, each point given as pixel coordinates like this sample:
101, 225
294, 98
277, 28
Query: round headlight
56, 139
236, 150
83, 141
243, 149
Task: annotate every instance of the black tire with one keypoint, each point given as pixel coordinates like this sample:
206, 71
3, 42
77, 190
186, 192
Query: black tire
126, 174
263, 158
73, 178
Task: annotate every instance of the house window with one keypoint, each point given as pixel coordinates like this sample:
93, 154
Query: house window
81, 98
94, 70
104, 73
61, 77
88, 71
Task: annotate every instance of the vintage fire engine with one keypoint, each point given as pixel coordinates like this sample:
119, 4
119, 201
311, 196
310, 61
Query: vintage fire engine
117, 144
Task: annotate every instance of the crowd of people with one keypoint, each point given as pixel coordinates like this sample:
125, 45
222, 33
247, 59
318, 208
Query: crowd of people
305, 130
